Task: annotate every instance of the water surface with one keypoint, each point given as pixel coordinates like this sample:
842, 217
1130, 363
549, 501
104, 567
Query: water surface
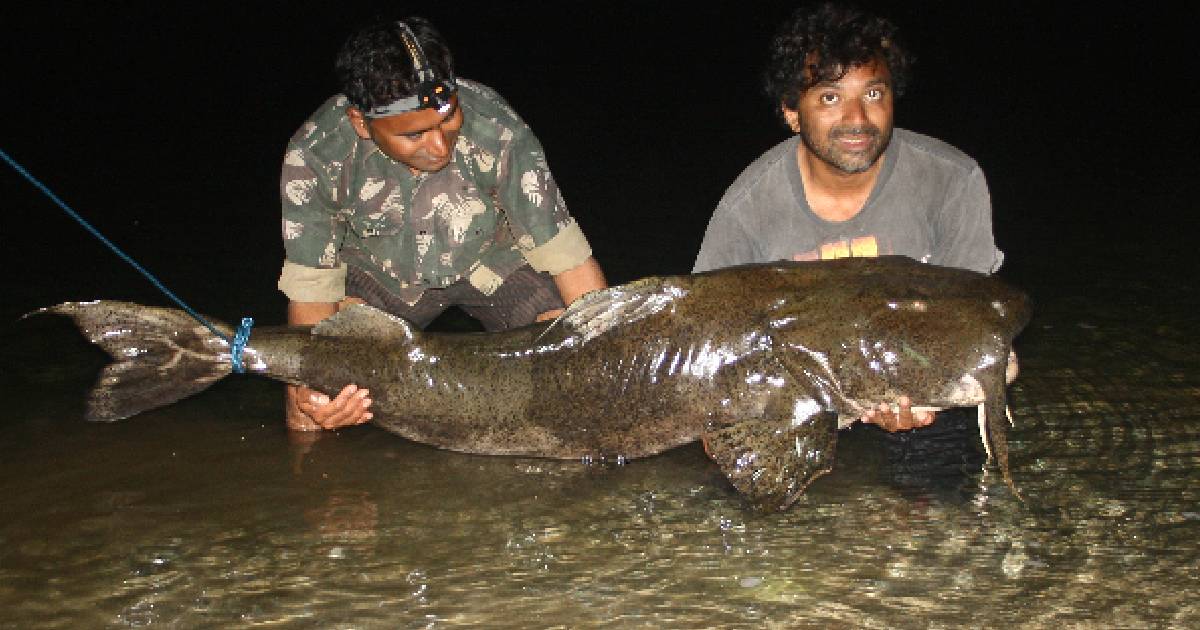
208, 513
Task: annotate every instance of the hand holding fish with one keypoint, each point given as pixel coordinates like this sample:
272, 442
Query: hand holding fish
902, 418
309, 410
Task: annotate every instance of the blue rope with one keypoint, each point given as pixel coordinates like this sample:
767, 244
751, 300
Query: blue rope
239, 344
243, 331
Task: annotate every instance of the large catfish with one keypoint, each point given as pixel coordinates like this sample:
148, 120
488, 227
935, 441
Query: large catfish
763, 363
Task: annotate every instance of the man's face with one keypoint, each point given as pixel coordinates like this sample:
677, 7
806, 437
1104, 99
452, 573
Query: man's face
422, 140
847, 123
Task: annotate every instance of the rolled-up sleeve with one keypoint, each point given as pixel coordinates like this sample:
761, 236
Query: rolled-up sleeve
565, 251
311, 284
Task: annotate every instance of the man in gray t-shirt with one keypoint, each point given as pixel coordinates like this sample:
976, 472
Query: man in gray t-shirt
849, 183
928, 201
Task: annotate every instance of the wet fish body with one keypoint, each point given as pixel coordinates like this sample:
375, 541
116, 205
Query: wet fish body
764, 363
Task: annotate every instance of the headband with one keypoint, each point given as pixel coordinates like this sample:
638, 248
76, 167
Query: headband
433, 92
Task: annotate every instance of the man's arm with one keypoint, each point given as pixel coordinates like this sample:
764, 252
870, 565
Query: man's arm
308, 410
312, 233
575, 282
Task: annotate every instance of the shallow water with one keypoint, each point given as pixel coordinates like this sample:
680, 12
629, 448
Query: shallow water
208, 513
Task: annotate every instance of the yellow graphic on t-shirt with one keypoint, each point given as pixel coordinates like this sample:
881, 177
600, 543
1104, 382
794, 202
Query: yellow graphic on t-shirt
861, 247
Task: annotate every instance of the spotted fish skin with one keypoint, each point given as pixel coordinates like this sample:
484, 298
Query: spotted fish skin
764, 363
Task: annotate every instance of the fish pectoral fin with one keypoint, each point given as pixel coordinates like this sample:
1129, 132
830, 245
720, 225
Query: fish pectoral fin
602, 310
772, 461
368, 322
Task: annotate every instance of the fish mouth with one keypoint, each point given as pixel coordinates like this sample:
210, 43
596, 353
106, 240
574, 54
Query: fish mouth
966, 392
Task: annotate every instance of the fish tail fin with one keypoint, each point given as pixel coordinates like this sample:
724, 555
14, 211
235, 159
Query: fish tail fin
159, 355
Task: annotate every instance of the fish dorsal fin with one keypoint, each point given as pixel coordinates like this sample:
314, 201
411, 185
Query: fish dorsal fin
600, 311
360, 320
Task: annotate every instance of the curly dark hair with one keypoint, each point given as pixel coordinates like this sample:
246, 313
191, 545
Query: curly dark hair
823, 42
374, 68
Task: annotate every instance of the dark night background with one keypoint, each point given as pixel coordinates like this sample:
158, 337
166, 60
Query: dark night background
165, 127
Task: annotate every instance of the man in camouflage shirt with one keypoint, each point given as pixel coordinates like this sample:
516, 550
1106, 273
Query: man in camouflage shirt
414, 191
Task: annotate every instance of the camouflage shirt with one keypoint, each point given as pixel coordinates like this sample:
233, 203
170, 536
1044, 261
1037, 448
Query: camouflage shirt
492, 209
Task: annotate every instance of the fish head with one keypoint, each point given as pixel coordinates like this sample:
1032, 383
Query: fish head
878, 338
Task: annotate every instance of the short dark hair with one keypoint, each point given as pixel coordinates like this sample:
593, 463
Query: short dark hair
823, 42
374, 68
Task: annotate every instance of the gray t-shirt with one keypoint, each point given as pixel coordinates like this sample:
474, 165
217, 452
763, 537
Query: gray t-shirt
930, 203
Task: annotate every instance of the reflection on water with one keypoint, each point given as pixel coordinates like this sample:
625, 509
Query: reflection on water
209, 514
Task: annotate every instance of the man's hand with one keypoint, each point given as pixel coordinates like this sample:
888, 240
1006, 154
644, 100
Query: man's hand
308, 410
900, 419
549, 315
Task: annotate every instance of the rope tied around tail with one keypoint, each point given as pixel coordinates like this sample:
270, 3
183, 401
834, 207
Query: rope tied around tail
239, 344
